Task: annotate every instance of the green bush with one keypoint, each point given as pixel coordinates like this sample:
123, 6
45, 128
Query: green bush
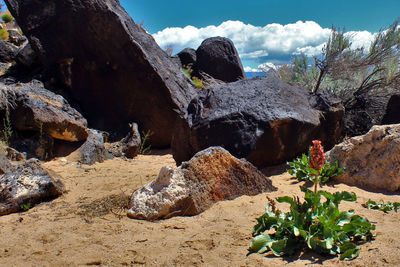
4, 34
7, 18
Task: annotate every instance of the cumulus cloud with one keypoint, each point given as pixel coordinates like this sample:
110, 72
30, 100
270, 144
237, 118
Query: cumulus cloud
250, 69
259, 44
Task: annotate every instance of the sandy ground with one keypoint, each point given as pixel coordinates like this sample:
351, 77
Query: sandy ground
78, 229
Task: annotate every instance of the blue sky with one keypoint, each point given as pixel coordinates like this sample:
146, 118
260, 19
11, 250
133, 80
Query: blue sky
264, 32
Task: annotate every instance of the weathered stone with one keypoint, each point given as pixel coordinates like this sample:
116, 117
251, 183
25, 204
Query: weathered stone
211, 175
218, 57
37, 109
115, 70
5, 165
91, 151
392, 114
8, 52
27, 183
187, 57
26, 56
263, 120
128, 146
372, 160
15, 37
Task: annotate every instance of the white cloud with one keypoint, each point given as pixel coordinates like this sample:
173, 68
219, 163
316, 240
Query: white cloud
267, 66
256, 42
250, 69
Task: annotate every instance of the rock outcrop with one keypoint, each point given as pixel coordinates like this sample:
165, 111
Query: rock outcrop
218, 57
263, 120
91, 151
37, 109
28, 184
128, 146
392, 114
8, 51
113, 69
372, 160
187, 57
211, 175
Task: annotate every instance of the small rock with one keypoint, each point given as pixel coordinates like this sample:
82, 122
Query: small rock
27, 183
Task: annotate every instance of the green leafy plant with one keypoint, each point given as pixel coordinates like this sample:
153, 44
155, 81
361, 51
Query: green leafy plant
314, 224
26, 206
7, 18
382, 206
300, 168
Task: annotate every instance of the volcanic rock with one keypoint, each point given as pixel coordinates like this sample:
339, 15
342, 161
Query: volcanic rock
264, 120
40, 110
218, 57
112, 67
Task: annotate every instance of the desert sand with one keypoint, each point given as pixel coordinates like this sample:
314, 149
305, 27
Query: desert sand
87, 225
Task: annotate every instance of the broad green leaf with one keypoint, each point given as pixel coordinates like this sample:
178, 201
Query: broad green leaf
260, 244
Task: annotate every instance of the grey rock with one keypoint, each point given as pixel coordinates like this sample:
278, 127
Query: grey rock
27, 183
8, 52
91, 151
27, 57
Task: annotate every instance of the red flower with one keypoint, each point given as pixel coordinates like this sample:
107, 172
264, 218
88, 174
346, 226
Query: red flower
317, 155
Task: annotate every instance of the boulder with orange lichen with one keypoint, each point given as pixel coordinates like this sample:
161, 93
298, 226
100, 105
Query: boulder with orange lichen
39, 110
211, 175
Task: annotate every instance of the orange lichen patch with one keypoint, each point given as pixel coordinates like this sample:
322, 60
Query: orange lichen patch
66, 134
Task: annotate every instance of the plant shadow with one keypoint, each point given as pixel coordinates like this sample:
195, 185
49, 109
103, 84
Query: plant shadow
312, 257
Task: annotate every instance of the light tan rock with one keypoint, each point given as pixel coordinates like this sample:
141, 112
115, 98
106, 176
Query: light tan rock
211, 175
372, 160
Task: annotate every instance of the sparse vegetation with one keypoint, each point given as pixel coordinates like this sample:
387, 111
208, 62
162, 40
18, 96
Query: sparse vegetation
26, 206
143, 145
382, 206
349, 72
7, 101
4, 34
197, 82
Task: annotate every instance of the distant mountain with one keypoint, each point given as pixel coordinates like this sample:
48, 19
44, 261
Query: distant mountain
250, 75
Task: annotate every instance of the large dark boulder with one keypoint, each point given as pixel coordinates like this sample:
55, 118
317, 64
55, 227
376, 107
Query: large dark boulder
113, 69
218, 57
392, 114
263, 120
